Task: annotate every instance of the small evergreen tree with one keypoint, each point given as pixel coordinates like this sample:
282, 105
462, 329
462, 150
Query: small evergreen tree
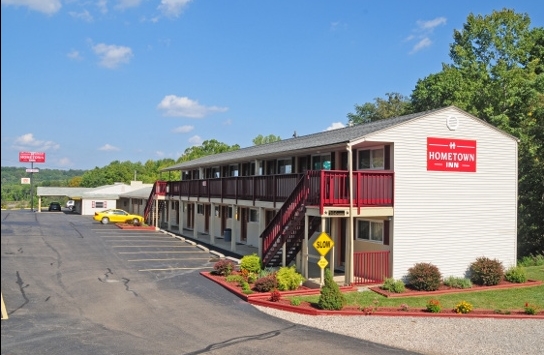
331, 297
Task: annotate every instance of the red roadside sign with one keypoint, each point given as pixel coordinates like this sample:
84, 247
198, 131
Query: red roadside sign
32, 157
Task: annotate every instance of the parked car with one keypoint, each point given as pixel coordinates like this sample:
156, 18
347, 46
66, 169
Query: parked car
70, 204
118, 216
55, 207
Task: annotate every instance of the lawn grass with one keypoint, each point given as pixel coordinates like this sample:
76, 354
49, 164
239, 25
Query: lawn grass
503, 300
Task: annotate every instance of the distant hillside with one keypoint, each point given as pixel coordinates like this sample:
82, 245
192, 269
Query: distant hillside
13, 175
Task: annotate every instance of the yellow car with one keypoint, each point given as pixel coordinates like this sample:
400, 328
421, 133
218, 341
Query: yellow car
118, 216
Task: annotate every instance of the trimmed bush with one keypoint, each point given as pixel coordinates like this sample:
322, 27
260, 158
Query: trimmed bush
331, 298
251, 263
392, 285
223, 267
486, 272
266, 283
424, 277
288, 278
457, 282
516, 274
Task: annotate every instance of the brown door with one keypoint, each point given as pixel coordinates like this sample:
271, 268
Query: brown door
190, 215
224, 214
244, 217
207, 212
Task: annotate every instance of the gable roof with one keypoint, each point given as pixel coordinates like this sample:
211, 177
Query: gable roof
309, 142
300, 143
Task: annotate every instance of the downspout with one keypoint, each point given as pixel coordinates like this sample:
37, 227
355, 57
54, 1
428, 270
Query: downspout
350, 273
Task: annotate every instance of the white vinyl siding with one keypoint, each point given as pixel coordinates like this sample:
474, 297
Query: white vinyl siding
452, 218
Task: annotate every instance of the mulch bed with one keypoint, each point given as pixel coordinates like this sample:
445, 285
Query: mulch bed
263, 299
443, 289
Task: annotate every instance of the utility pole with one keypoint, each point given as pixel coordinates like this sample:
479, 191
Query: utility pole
32, 187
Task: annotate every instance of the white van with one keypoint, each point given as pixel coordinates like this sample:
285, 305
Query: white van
70, 204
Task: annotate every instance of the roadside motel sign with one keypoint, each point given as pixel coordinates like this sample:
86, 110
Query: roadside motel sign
32, 157
323, 244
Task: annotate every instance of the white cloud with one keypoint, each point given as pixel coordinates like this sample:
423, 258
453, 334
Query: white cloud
183, 129
423, 33
159, 153
173, 105
46, 6
64, 162
172, 8
228, 122
28, 142
431, 24
108, 148
195, 140
74, 55
335, 125
102, 6
83, 15
125, 4
111, 55
425, 42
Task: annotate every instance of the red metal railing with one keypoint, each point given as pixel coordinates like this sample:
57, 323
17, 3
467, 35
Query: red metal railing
326, 188
370, 267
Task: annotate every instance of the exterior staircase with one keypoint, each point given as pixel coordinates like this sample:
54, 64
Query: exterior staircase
285, 233
150, 212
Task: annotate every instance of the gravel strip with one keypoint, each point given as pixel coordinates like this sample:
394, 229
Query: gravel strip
429, 335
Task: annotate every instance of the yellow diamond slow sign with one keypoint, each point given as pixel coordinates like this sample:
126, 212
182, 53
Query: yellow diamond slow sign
323, 244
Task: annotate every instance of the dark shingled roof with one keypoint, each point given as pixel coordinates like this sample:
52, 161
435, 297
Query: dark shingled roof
300, 143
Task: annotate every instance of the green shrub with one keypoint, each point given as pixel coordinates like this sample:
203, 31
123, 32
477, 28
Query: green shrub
266, 272
516, 274
392, 285
331, 298
235, 278
251, 263
295, 301
532, 260
424, 277
457, 282
223, 267
266, 283
433, 306
288, 278
486, 272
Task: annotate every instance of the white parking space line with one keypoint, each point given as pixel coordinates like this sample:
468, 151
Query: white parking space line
177, 268
152, 246
4, 311
142, 240
169, 259
160, 252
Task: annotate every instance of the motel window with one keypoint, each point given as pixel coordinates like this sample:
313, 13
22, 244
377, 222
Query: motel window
200, 209
285, 166
253, 215
370, 230
371, 159
217, 211
321, 162
233, 170
230, 212
99, 204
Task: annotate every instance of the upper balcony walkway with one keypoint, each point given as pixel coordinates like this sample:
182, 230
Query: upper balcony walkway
326, 188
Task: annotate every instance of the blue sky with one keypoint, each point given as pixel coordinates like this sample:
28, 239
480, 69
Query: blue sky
93, 81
